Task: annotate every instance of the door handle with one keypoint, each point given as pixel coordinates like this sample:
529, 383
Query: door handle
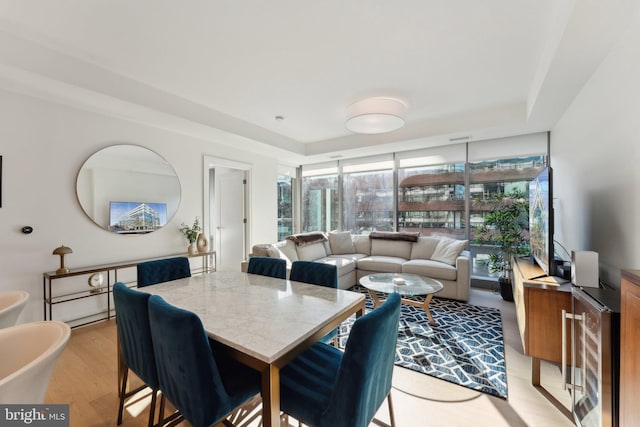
566, 384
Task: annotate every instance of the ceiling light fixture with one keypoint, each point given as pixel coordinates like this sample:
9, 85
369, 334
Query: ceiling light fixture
376, 115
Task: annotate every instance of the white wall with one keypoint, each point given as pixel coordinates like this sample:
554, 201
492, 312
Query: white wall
43, 147
595, 156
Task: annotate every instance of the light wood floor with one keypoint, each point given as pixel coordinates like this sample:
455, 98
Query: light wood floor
85, 378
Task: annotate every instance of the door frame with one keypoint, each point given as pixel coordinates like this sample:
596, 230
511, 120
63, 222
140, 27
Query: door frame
211, 162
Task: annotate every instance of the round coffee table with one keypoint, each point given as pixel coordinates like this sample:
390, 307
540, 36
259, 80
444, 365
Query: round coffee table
403, 284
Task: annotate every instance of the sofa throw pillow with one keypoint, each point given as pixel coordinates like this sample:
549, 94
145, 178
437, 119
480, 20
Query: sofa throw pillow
424, 247
285, 250
362, 244
311, 252
341, 243
448, 250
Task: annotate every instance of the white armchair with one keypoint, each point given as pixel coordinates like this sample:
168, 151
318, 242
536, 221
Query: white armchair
29, 353
11, 305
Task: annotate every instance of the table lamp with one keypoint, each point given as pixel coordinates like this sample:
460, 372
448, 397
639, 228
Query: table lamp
62, 251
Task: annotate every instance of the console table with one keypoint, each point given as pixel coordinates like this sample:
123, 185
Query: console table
539, 301
93, 304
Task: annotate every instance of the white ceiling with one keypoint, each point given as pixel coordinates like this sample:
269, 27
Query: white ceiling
222, 70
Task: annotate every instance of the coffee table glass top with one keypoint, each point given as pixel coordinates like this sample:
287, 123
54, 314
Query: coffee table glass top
401, 283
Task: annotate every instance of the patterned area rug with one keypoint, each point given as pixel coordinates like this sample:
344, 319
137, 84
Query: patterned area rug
465, 347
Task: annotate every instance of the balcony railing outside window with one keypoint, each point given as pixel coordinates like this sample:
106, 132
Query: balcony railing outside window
431, 200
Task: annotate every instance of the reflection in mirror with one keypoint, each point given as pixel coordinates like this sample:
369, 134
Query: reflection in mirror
128, 189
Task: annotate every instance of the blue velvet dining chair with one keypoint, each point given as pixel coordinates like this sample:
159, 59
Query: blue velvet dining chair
204, 385
317, 273
136, 348
326, 387
163, 270
267, 266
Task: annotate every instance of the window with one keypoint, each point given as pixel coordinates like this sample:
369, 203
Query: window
320, 208
367, 197
441, 191
285, 205
499, 166
431, 200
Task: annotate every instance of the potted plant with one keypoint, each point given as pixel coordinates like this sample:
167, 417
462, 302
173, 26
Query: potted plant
191, 233
506, 228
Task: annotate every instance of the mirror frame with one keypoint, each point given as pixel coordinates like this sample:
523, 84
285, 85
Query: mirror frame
131, 179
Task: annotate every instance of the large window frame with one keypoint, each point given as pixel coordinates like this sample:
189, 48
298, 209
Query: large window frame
455, 180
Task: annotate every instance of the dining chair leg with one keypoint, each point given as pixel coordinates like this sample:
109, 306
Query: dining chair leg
161, 410
124, 395
392, 419
152, 408
123, 390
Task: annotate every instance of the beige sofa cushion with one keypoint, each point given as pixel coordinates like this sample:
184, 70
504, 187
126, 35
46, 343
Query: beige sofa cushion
424, 247
383, 264
311, 252
341, 243
391, 248
427, 268
448, 250
343, 264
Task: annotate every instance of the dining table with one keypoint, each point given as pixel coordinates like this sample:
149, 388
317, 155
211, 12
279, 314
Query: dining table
263, 322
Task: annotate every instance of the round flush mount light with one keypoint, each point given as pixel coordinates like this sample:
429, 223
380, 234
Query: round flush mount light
376, 115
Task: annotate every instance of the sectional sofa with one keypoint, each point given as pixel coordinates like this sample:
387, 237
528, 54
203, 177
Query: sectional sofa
356, 256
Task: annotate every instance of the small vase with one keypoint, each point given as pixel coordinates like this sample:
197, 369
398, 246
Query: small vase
201, 243
193, 249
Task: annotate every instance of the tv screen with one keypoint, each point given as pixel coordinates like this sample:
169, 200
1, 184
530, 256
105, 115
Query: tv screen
541, 220
136, 217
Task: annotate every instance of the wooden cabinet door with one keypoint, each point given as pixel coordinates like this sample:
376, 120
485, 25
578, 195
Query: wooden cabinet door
630, 353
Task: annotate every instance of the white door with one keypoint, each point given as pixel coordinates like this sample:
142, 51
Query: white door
229, 218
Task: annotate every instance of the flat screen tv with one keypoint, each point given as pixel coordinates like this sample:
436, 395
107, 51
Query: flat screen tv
541, 220
136, 217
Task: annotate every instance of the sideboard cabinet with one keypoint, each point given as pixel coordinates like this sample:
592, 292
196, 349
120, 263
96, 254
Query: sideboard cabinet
630, 348
83, 295
539, 301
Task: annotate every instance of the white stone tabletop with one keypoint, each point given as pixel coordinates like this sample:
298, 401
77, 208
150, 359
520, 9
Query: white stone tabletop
258, 315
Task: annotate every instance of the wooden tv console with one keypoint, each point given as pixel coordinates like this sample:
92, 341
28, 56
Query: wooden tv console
539, 301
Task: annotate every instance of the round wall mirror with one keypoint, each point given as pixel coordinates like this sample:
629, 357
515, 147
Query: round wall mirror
127, 189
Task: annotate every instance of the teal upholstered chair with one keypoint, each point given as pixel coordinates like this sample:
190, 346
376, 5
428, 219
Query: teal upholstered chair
317, 273
163, 270
325, 387
203, 384
136, 348
267, 266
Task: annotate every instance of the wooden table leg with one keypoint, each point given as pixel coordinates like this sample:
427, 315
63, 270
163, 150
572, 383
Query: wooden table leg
271, 396
374, 297
425, 306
